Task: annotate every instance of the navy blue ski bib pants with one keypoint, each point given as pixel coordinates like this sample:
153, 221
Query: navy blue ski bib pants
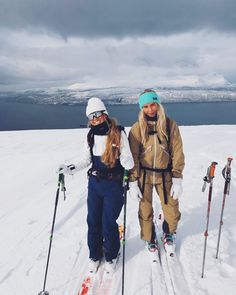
105, 201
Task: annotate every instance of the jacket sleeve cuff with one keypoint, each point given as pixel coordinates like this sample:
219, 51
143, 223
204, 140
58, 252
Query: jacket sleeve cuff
177, 174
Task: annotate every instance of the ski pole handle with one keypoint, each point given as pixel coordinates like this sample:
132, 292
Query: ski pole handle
226, 172
126, 179
209, 175
61, 182
228, 168
60, 178
229, 161
212, 170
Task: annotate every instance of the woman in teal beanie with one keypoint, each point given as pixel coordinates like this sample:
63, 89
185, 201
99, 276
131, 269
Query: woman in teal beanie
156, 146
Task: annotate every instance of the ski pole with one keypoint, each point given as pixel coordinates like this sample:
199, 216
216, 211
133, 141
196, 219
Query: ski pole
126, 188
61, 183
226, 172
208, 179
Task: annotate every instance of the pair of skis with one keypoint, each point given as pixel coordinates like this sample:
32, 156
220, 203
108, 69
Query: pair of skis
96, 283
105, 282
167, 267
162, 265
99, 282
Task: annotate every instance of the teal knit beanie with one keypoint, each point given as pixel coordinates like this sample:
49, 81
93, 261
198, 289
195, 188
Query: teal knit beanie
148, 97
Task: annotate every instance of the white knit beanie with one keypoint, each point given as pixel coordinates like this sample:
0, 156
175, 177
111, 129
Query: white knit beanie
95, 104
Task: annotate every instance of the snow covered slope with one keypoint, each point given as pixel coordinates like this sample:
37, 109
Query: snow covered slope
28, 186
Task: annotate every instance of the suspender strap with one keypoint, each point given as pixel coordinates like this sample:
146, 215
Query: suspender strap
143, 184
164, 188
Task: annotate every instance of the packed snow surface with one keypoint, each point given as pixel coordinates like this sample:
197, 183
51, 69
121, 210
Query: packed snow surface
29, 160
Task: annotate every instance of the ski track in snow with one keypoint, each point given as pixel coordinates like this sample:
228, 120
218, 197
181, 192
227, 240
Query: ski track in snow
158, 281
29, 160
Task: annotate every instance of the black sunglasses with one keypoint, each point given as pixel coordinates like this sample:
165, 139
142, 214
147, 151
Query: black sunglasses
95, 115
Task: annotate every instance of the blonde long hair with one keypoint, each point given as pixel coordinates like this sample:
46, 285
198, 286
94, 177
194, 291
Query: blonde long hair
112, 150
160, 125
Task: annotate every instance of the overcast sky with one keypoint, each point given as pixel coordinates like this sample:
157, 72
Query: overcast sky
147, 43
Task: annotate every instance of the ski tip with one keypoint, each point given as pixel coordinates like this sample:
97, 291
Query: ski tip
152, 250
85, 286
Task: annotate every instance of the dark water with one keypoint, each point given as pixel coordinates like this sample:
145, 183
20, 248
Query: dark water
23, 116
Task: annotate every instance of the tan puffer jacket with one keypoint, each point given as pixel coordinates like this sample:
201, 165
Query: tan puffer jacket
155, 154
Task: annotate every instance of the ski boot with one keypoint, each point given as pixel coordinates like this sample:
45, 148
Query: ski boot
169, 243
93, 265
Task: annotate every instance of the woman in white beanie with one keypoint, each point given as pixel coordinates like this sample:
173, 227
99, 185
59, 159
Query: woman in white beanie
156, 145
107, 151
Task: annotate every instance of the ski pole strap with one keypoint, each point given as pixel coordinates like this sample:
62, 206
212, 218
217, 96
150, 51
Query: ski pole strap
204, 184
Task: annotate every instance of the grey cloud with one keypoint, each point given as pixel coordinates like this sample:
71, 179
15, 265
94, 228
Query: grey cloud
145, 61
99, 18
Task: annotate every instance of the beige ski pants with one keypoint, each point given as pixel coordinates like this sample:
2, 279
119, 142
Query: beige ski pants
170, 210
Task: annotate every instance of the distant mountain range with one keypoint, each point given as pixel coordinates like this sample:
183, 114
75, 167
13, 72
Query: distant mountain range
119, 95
